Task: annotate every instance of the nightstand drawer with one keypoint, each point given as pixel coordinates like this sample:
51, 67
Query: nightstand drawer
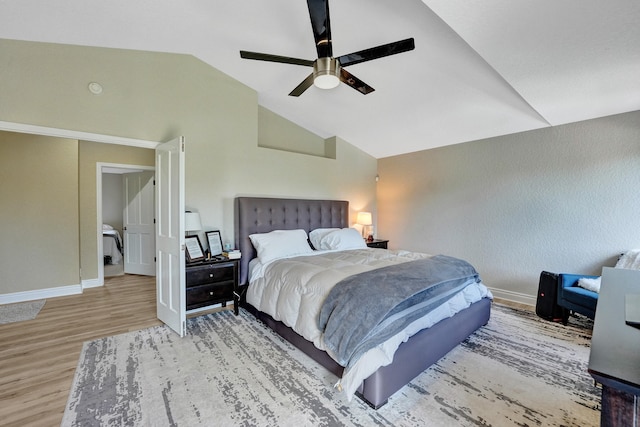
213, 293
210, 273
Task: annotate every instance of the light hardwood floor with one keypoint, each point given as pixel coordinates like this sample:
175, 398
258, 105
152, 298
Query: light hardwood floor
38, 357
514, 304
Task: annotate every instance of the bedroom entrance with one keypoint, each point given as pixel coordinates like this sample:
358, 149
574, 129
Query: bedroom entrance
125, 195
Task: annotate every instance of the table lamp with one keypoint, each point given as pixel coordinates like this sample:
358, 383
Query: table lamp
364, 219
192, 222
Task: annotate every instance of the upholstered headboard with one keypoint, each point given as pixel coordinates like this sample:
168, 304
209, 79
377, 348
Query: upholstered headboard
263, 214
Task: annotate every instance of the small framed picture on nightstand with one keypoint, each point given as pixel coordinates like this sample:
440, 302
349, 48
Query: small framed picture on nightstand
215, 242
194, 250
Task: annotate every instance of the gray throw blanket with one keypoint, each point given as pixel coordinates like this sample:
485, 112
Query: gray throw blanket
366, 309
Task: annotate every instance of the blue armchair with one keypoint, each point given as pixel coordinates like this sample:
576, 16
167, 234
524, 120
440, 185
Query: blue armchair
571, 297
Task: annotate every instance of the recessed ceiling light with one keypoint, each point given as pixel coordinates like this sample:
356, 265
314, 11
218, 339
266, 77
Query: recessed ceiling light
95, 88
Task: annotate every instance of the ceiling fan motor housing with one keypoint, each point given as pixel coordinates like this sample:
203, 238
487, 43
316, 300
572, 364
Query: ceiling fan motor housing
327, 70
326, 73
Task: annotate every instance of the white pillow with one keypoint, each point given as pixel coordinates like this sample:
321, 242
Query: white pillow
280, 244
590, 284
342, 239
630, 260
316, 236
107, 227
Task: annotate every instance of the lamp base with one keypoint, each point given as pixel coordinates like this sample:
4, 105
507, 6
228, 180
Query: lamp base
367, 233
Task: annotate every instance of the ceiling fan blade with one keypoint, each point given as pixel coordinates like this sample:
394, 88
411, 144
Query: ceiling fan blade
377, 52
319, 14
275, 58
351, 80
306, 84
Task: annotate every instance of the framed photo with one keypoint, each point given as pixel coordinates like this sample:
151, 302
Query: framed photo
215, 242
194, 250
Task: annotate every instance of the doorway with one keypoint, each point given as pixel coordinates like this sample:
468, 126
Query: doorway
124, 195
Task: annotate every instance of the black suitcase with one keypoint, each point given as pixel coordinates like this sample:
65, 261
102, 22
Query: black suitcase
547, 304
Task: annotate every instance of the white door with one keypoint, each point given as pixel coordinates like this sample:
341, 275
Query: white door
138, 224
170, 261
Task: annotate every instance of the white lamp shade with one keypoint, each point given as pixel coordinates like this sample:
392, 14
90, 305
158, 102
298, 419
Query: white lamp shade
364, 218
192, 221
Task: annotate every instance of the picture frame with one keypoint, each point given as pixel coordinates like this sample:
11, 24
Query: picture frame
215, 242
193, 250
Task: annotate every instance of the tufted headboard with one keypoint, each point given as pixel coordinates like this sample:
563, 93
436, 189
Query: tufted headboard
263, 214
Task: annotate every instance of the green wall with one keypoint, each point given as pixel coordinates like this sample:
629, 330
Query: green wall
157, 97
38, 212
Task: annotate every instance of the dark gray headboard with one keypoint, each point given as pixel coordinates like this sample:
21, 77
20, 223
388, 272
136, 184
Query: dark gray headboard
263, 214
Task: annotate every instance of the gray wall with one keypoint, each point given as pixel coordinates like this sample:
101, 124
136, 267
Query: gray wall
562, 199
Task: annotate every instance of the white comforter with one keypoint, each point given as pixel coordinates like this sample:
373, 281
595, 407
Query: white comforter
292, 291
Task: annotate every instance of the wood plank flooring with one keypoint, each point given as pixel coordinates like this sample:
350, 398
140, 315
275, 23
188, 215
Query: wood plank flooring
38, 357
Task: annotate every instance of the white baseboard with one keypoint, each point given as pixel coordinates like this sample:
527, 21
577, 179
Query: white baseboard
514, 296
91, 283
59, 291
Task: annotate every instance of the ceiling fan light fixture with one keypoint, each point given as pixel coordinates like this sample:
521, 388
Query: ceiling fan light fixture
327, 70
326, 73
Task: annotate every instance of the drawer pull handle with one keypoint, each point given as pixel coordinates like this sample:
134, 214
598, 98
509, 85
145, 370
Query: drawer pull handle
211, 293
210, 274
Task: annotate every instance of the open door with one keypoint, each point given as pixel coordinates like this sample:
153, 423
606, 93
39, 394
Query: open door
170, 256
138, 227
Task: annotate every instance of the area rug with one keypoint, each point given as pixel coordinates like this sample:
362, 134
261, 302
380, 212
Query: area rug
518, 370
20, 311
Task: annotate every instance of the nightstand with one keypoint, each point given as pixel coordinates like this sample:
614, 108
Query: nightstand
212, 282
376, 243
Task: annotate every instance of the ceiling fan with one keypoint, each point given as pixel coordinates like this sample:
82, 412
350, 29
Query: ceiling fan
328, 71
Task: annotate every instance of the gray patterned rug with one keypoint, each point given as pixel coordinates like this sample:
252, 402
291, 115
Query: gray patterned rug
518, 370
20, 311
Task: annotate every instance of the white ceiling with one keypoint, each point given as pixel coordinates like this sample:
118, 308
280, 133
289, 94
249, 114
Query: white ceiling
480, 68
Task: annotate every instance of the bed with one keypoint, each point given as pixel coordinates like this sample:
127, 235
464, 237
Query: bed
111, 245
258, 216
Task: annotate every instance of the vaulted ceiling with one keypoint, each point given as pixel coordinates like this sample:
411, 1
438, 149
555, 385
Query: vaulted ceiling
480, 68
